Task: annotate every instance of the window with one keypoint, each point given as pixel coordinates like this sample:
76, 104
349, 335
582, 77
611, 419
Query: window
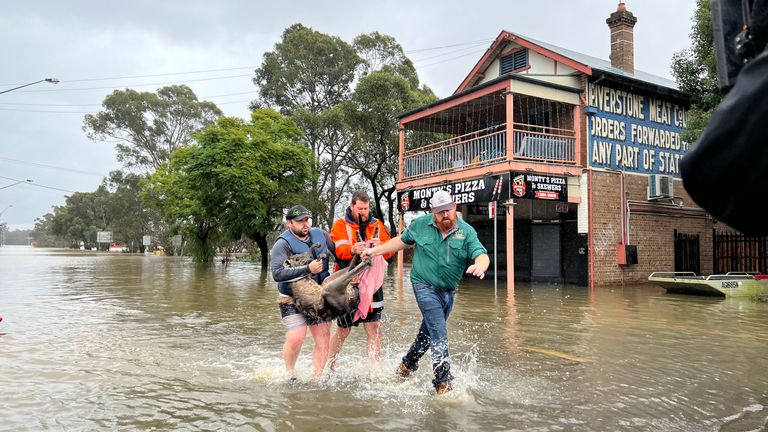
514, 61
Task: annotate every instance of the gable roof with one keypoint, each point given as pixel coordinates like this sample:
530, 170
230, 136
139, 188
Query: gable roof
581, 62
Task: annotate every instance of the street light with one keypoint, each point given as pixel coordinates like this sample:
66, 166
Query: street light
6, 208
14, 184
50, 80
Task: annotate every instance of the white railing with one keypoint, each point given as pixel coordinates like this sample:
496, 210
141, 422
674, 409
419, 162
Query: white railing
488, 146
478, 148
543, 146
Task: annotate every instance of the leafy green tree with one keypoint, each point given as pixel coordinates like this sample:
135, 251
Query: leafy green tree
235, 181
82, 215
130, 220
389, 86
147, 126
381, 52
378, 99
695, 69
43, 235
307, 76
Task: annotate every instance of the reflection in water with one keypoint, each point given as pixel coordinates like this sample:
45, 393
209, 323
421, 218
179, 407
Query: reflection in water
104, 341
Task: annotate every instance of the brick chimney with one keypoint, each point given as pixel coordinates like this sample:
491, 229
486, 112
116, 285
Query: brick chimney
621, 24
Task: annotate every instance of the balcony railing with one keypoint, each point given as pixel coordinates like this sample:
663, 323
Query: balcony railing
483, 147
541, 143
487, 147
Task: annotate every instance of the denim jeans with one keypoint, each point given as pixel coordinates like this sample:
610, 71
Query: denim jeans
435, 307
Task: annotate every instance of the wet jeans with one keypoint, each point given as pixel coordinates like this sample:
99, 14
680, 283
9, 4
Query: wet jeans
435, 307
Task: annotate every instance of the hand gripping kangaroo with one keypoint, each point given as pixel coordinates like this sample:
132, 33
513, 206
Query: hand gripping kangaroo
336, 296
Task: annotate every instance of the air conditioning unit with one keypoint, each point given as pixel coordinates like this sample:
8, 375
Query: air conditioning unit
660, 186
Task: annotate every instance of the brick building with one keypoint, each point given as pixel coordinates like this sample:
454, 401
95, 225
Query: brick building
580, 156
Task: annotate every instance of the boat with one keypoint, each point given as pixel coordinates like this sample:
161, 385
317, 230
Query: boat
731, 284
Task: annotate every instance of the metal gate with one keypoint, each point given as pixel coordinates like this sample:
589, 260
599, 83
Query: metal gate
737, 252
687, 252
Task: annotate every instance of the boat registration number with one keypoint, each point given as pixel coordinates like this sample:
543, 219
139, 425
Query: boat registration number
730, 284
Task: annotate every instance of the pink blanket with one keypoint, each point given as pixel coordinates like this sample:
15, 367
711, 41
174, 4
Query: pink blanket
370, 280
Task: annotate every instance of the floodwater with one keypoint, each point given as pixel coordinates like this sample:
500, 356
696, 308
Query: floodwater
110, 341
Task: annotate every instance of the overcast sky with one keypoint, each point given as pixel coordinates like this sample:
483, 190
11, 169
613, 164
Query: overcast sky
97, 47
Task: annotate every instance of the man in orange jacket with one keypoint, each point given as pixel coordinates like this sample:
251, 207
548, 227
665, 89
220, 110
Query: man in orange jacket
350, 235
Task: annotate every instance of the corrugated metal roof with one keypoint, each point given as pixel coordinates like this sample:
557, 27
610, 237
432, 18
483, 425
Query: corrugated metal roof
603, 65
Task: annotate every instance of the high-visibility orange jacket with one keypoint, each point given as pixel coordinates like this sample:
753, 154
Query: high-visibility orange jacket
345, 234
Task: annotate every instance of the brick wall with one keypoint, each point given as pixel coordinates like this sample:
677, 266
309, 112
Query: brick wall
651, 228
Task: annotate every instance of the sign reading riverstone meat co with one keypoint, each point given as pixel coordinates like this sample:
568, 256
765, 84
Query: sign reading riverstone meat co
539, 186
474, 191
635, 132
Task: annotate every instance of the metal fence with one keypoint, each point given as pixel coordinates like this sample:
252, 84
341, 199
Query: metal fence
738, 252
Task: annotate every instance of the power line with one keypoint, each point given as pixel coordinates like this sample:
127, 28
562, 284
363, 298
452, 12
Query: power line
133, 85
448, 59
94, 112
51, 167
150, 76
471, 47
47, 111
98, 104
450, 46
38, 185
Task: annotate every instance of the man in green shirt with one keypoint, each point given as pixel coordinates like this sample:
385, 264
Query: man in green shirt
444, 245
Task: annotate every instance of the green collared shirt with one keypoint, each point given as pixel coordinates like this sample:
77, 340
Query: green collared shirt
439, 261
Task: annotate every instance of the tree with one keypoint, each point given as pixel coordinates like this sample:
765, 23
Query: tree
148, 127
307, 76
695, 69
378, 99
81, 216
234, 181
389, 87
130, 220
43, 235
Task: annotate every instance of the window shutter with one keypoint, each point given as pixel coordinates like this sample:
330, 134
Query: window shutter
514, 61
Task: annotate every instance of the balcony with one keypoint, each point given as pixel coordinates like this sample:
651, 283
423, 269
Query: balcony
477, 133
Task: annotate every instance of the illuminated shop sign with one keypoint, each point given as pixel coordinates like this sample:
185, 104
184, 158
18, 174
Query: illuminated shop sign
634, 132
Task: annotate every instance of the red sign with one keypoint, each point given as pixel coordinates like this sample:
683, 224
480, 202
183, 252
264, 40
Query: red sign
546, 195
491, 210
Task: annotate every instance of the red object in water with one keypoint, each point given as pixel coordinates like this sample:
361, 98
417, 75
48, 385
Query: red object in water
1, 318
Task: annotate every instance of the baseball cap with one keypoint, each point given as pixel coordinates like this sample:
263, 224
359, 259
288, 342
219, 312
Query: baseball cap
298, 212
441, 201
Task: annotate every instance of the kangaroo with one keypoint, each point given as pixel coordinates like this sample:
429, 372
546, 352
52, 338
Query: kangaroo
336, 296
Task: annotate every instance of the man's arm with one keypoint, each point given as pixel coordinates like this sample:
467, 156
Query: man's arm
384, 237
392, 246
280, 252
481, 264
479, 254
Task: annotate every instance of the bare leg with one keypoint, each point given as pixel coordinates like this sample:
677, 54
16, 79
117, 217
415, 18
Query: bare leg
337, 340
373, 332
293, 341
321, 333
